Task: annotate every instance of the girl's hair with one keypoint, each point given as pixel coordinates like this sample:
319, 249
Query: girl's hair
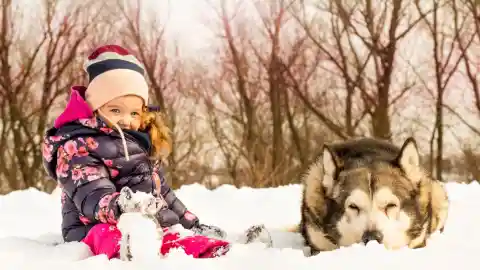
153, 123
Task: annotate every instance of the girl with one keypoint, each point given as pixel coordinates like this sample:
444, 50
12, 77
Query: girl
103, 141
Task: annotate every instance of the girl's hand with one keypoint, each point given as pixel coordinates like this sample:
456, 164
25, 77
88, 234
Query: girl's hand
141, 202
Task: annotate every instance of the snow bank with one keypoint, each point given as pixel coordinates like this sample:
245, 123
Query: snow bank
30, 233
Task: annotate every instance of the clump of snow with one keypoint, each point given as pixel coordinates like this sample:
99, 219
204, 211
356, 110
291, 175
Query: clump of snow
142, 244
30, 236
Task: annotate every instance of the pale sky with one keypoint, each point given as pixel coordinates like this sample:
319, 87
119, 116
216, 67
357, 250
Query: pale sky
187, 22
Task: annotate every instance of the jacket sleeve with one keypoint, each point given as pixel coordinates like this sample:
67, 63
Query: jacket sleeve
186, 218
86, 181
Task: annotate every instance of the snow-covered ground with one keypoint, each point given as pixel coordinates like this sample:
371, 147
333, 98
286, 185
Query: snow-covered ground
30, 222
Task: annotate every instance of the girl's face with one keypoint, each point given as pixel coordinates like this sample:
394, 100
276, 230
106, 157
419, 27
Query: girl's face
124, 111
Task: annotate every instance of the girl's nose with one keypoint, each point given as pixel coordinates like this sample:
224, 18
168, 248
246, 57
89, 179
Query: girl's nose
124, 123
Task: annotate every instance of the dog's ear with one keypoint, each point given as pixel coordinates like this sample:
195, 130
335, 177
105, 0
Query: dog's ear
409, 160
331, 165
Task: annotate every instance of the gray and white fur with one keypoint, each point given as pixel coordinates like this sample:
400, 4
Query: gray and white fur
256, 233
366, 189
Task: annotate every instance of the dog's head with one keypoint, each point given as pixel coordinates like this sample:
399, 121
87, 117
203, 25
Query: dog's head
138, 201
376, 198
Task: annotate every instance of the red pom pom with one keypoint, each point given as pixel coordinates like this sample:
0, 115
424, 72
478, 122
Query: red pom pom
108, 48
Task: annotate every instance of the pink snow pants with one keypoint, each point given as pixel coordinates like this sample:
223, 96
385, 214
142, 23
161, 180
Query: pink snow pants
104, 239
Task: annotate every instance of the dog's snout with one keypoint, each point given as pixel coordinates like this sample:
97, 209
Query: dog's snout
372, 236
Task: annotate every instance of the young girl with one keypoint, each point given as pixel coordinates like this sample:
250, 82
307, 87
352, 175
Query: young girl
105, 139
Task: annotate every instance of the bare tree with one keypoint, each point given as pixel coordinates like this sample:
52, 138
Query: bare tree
466, 17
445, 61
237, 72
273, 22
466, 13
251, 93
290, 76
30, 63
369, 68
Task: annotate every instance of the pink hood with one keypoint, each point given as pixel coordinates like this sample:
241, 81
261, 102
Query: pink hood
77, 108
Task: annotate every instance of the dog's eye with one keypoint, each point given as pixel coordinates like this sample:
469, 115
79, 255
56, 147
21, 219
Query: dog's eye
390, 206
353, 206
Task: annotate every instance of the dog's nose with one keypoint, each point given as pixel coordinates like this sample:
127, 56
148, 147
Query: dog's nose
372, 236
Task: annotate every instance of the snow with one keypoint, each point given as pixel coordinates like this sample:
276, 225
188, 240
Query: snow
30, 225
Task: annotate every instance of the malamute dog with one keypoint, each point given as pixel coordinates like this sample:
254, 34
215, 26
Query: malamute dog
367, 189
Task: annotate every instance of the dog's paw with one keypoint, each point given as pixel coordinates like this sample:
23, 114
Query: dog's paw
256, 233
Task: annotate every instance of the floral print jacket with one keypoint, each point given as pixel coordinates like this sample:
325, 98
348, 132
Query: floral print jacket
87, 159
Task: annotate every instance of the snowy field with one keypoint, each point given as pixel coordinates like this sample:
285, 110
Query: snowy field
30, 222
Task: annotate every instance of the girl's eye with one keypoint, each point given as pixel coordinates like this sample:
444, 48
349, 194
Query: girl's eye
115, 110
135, 114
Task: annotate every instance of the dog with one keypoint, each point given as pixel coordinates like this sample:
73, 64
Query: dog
142, 234
366, 189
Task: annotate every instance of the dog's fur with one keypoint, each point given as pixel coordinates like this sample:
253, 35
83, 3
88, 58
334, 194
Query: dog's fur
141, 233
367, 189
256, 233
